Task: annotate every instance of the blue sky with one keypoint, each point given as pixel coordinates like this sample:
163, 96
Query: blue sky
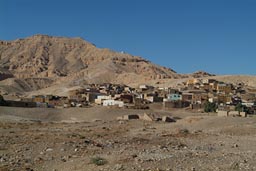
217, 36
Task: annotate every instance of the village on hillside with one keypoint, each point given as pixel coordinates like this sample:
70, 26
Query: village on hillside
206, 95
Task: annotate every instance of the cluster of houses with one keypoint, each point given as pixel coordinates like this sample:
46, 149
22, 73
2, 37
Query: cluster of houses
195, 93
191, 94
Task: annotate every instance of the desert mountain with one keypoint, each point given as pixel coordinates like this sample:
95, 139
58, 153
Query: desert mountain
45, 56
73, 61
42, 62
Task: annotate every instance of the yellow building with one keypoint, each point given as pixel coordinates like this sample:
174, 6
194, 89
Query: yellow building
38, 99
224, 88
224, 99
192, 81
213, 86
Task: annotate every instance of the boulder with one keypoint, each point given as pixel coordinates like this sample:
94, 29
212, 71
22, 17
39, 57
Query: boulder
147, 117
168, 119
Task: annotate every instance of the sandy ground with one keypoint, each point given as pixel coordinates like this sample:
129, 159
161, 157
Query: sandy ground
69, 139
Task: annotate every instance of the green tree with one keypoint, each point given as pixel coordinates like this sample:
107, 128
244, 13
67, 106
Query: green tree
210, 107
241, 108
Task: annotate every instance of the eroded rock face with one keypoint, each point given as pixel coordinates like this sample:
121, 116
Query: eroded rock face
46, 56
4, 74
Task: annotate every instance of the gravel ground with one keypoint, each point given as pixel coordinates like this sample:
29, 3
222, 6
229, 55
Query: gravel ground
194, 142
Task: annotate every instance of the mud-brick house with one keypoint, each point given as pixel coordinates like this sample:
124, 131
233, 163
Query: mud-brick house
213, 86
13, 103
146, 88
224, 99
101, 97
92, 96
192, 83
49, 100
208, 81
77, 95
152, 97
26, 99
163, 93
38, 98
199, 98
84, 95
195, 96
172, 91
58, 101
224, 88
187, 97
205, 87
126, 98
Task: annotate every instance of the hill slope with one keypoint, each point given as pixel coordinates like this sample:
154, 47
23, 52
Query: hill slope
73, 61
46, 56
43, 61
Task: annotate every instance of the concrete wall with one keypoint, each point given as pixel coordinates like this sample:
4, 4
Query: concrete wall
175, 104
231, 113
222, 113
21, 104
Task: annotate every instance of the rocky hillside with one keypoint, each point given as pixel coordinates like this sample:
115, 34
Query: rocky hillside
4, 74
53, 57
43, 61
199, 74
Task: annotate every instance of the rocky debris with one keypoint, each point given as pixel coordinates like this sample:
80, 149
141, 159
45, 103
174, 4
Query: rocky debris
118, 167
147, 117
199, 74
49, 149
70, 146
168, 119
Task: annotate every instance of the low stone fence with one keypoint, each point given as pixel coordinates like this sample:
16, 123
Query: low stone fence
231, 113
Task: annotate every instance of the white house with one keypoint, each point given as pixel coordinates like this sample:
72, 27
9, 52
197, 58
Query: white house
113, 103
101, 98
